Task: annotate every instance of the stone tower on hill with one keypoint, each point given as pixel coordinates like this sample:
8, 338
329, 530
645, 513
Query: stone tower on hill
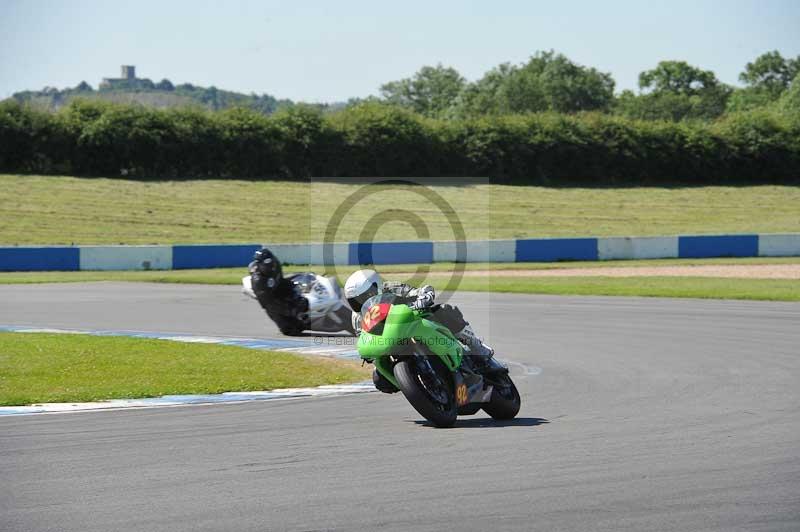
128, 76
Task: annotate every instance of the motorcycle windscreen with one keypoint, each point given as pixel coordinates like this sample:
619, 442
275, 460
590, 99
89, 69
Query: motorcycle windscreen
304, 281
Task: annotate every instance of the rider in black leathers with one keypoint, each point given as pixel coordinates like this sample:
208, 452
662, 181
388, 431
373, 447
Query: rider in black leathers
276, 295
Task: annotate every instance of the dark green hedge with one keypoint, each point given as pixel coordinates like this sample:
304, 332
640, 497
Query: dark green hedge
97, 139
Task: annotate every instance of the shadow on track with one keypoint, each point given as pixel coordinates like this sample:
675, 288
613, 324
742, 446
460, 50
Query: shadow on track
487, 422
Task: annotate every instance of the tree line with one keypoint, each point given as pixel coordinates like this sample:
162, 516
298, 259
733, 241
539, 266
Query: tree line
94, 138
672, 90
548, 81
546, 121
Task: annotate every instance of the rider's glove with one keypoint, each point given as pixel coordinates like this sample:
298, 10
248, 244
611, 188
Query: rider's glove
423, 301
356, 322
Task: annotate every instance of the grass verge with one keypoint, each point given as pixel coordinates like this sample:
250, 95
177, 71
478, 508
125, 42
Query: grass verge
234, 275
38, 368
67, 210
654, 286
691, 287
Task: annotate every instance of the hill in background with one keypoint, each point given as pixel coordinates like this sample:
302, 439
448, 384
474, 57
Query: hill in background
163, 94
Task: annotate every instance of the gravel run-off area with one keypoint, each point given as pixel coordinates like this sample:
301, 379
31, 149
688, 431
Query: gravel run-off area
741, 271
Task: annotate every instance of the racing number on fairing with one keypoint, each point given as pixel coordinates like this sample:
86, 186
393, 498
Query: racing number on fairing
370, 317
461, 394
375, 315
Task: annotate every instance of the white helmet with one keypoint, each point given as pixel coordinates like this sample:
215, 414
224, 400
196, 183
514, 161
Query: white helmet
362, 285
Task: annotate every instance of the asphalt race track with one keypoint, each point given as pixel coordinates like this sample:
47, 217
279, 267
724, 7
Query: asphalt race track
649, 414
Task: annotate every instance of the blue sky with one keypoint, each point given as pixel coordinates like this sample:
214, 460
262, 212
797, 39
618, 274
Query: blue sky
328, 51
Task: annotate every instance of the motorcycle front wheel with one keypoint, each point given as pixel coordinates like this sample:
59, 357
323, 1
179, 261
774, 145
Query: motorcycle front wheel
428, 388
505, 401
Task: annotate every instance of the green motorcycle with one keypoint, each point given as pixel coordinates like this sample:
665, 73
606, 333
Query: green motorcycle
428, 364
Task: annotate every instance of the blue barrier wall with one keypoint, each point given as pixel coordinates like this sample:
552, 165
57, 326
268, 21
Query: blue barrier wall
57, 259
390, 253
691, 247
555, 249
212, 256
524, 250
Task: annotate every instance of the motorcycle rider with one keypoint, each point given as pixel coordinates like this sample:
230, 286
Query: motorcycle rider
276, 295
364, 284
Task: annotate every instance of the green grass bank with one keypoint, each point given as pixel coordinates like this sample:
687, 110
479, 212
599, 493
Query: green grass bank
39, 368
68, 210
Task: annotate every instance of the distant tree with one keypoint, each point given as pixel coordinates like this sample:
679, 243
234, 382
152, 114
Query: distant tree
430, 92
356, 101
522, 89
210, 97
264, 104
547, 82
771, 73
675, 90
790, 100
767, 78
165, 85
83, 87
677, 77
489, 95
566, 86
748, 98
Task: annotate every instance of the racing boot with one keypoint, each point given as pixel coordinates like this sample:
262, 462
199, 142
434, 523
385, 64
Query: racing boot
475, 345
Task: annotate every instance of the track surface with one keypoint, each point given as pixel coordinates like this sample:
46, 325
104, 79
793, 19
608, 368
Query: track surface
648, 415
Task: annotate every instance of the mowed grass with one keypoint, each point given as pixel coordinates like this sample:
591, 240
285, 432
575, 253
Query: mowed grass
685, 287
69, 210
655, 286
233, 276
39, 368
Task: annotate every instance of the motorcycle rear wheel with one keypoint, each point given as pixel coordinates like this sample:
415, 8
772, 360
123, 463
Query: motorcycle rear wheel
412, 384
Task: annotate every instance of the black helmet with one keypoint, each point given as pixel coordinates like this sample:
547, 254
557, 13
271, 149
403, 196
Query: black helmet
268, 265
